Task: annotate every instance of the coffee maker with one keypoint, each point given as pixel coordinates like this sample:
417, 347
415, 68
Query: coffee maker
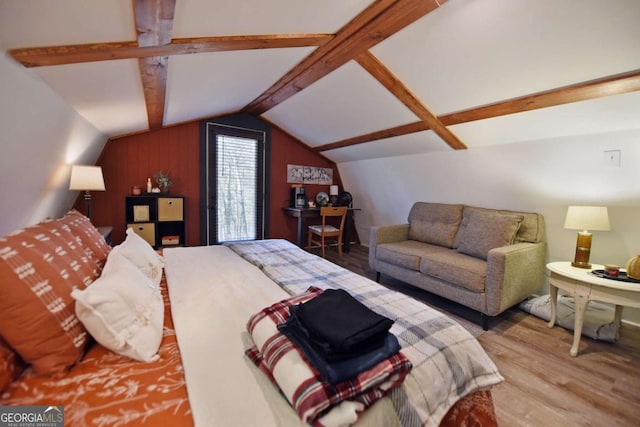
298, 197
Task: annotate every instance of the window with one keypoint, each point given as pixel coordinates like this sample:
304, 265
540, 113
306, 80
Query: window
234, 181
237, 190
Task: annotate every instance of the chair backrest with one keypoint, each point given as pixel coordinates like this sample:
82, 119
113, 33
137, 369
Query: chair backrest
329, 211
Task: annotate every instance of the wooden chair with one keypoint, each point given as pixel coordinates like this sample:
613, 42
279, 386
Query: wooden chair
325, 230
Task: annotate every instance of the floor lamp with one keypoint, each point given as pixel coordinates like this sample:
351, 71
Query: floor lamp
86, 178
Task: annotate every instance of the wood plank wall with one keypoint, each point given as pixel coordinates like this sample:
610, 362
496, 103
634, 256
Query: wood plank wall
130, 160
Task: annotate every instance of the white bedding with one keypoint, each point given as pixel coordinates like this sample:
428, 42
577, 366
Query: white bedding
213, 293
210, 306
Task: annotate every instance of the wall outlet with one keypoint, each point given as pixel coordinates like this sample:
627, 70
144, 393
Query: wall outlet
612, 158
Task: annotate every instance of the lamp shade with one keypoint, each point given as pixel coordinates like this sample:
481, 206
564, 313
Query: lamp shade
333, 190
86, 178
587, 218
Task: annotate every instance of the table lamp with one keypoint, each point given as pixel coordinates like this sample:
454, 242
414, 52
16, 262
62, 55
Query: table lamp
585, 218
86, 178
333, 192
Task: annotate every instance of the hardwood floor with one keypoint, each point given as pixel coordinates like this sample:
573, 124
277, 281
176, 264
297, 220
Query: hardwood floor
544, 385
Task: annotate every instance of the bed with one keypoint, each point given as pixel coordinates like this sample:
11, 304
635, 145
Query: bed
200, 375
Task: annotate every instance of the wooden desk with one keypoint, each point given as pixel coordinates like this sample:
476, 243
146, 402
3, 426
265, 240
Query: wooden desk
303, 213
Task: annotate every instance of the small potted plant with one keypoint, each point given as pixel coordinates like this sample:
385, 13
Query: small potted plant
163, 180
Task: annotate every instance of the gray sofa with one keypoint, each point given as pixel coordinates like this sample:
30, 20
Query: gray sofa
485, 259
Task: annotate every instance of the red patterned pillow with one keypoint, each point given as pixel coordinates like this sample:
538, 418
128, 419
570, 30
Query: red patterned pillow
39, 267
11, 366
93, 242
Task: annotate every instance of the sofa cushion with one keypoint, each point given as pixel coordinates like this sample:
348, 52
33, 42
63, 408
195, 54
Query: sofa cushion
531, 229
407, 253
454, 267
485, 230
434, 223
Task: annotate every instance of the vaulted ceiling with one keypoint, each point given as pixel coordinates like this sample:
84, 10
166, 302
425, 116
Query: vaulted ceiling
352, 79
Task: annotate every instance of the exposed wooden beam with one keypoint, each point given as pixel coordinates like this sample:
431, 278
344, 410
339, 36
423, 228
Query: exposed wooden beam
153, 72
154, 25
379, 21
611, 85
268, 41
74, 54
381, 73
592, 89
374, 136
352, 27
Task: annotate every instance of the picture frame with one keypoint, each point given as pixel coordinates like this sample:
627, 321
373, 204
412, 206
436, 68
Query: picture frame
140, 213
297, 174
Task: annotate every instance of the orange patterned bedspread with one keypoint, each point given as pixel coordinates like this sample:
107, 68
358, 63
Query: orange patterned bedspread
106, 389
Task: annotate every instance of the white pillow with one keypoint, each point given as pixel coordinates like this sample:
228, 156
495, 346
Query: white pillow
142, 255
123, 310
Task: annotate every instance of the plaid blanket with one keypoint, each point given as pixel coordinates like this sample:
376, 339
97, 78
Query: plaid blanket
448, 362
312, 398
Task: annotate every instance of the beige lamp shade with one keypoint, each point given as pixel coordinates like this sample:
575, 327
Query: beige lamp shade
594, 218
88, 178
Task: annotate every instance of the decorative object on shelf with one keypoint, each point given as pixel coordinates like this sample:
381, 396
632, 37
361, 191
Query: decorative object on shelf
136, 191
163, 180
141, 213
86, 178
345, 199
333, 192
585, 218
149, 185
633, 267
170, 240
322, 199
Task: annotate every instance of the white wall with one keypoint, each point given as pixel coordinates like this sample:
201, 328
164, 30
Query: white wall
40, 136
543, 176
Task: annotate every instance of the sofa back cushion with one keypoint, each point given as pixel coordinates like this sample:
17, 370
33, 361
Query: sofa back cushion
531, 229
435, 223
485, 230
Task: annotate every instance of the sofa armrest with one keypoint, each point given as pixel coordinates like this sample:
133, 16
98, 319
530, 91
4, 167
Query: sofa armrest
514, 273
385, 234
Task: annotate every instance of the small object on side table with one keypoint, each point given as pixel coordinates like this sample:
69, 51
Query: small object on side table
611, 270
633, 267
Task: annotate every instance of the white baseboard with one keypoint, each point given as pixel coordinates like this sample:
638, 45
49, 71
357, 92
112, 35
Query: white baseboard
630, 323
